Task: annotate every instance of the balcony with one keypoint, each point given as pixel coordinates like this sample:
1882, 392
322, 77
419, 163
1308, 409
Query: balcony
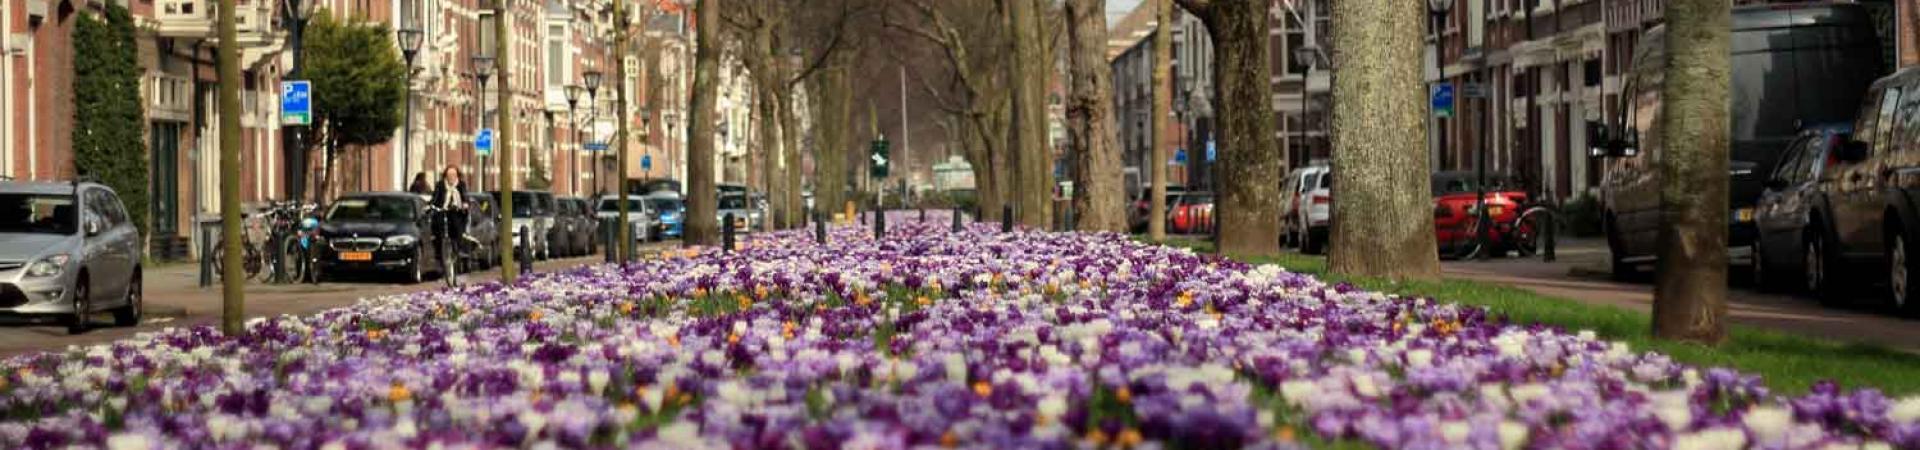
196, 18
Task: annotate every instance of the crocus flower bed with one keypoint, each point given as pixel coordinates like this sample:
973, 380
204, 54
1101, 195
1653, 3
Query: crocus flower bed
925, 339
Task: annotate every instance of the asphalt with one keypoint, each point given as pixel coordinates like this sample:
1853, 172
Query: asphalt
1582, 273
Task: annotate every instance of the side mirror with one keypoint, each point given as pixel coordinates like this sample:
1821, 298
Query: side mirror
93, 226
1629, 145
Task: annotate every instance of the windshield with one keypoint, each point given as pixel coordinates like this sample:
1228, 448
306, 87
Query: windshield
733, 202
665, 205
523, 205
1801, 74
37, 213
610, 205
372, 208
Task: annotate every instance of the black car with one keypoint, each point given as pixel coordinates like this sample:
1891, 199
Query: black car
1782, 250
586, 228
1866, 228
1792, 65
383, 232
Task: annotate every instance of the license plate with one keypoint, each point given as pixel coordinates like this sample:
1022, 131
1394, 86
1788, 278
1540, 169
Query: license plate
1496, 210
356, 256
1743, 215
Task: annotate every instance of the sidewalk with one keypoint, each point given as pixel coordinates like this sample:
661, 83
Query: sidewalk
1581, 274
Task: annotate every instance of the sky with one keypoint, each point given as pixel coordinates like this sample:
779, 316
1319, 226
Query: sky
1119, 8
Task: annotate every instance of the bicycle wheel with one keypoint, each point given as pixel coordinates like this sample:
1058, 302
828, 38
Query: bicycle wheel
218, 261
290, 259
1526, 233
1471, 246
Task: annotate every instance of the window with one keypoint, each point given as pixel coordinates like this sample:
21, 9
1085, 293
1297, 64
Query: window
1592, 67
1883, 128
557, 72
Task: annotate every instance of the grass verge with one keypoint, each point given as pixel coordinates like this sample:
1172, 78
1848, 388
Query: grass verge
1791, 363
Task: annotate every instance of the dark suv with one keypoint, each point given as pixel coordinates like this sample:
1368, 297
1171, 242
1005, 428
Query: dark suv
1873, 194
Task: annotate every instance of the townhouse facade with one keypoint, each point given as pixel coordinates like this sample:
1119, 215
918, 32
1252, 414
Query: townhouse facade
554, 44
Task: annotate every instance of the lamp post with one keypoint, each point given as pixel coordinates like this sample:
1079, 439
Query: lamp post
573, 92
410, 47
592, 79
482, 70
1312, 55
295, 13
1437, 16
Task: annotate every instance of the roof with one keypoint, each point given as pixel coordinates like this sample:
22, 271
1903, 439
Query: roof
1136, 26
38, 187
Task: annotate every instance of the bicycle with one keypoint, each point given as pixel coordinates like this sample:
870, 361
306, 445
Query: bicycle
451, 251
1520, 235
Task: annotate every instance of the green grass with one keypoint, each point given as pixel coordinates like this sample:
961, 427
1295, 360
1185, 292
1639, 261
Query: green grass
1789, 362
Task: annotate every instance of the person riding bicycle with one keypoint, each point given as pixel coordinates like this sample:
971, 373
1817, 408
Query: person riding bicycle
450, 196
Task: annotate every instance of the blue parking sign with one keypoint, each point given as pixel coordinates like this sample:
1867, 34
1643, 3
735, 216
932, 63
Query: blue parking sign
296, 102
1443, 100
646, 162
483, 142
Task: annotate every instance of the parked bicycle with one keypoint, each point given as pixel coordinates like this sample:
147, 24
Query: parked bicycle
1518, 234
285, 228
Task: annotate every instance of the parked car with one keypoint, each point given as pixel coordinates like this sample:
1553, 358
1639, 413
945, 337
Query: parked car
740, 207
1455, 207
670, 215
640, 216
580, 224
546, 217
483, 224
1871, 218
1191, 212
1138, 211
384, 232
1306, 206
68, 250
529, 220
1791, 203
589, 234
564, 235
1792, 64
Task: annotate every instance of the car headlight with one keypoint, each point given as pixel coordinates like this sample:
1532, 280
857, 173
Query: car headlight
401, 241
49, 266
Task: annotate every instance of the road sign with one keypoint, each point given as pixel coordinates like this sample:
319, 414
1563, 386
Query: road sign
1180, 156
296, 102
1443, 101
646, 162
596, 146
1474, 90
483, 142
880, 165
1212, 153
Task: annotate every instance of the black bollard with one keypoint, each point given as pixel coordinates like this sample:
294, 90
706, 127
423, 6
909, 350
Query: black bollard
206, 255
607, 235
956, 221
1006, 219
819, 228
879, 224
923, 214
726, 233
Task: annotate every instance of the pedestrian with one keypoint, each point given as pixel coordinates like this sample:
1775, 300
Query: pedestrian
450, 195
419, 186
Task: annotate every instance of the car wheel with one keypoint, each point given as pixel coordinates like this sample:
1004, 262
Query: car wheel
129, 314
414, 274
1816, 276
1622, 270
82, 305
1313, 243
1757, 273
1901, 277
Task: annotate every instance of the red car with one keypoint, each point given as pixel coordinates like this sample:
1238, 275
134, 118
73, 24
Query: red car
1191, 213
1453, 211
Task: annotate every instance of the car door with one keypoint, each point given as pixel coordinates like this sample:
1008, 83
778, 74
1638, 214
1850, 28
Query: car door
125, 239
1775, 214
103, 261
1857, 213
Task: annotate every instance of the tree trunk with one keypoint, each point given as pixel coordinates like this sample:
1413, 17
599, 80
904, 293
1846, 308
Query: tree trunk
763, 63
985, 176
1690, 293
1032, 186
794, 208
1383, 207
702, 195
1097, 200
233, 288
831, 105
1250, 163
1162, 109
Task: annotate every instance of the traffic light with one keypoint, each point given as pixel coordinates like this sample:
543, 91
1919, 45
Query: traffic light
878, 157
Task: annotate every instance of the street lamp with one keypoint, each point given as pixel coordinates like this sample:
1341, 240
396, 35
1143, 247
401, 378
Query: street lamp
409, 46
573, 92
592, 78
482, 70
1312, 55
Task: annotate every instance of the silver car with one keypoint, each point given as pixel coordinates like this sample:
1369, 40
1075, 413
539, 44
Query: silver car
738, 205
68, 250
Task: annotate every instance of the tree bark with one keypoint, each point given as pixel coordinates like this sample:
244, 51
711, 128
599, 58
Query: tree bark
1162, 109
1250, 163
1383, 206
1032, 186
1097, 200
702, 226
831, 108
795, 205
1690, 292
233, 293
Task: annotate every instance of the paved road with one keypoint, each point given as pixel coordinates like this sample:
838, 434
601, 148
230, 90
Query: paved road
174, 299
1581, 274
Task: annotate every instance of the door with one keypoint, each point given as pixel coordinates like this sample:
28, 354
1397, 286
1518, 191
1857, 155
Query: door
1776, 215
106, 259
166, 178
1857, 213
